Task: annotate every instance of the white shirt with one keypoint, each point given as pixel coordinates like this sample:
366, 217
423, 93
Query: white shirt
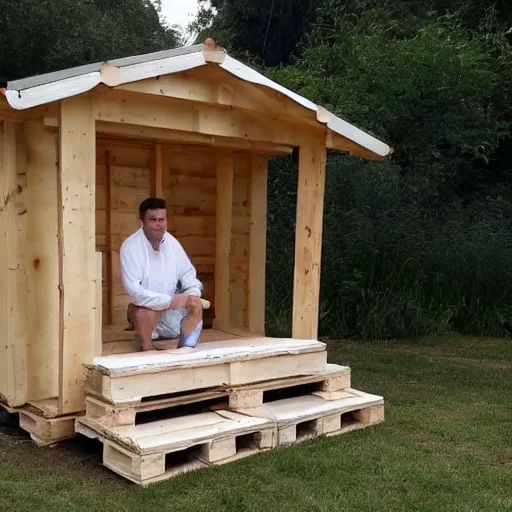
151, 277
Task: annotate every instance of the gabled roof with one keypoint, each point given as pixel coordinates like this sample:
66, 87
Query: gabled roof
46, 88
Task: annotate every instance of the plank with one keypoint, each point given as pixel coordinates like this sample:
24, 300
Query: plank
43, 253
77, 246
13, 274
201, 141
206, 355
159, 170
224, 217
308, 238
257, 244
122, 108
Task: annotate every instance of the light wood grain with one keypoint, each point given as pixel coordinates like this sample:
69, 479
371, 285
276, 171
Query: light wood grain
78, 256
43, 255
308, 238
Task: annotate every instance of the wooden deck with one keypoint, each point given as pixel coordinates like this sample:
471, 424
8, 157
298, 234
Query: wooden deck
118, 340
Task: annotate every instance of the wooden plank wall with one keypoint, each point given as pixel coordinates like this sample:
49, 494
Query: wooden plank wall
13, 265
189, 187
122, 183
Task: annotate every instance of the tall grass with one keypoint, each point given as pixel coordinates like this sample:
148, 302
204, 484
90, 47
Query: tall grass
396, 260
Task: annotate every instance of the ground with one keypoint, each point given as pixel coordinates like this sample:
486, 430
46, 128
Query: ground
446, 445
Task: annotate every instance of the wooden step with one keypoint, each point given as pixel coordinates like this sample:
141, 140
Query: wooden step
159, 450
128, 378
334, 378
321, 414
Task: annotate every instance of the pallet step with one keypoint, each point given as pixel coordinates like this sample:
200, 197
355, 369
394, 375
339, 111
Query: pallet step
160, 450
321, 414
129, 378
334, 378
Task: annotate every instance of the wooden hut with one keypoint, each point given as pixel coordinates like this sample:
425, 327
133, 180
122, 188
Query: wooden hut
80, 149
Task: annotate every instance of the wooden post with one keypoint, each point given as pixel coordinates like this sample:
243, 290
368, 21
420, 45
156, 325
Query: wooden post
157, 172
77, 249
111, 254
43, 262
224, 220
13, 277
308, 237
257, 244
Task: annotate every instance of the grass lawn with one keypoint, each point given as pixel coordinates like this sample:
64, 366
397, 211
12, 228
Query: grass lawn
446, 445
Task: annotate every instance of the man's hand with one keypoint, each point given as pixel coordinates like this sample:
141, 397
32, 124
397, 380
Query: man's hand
179, 301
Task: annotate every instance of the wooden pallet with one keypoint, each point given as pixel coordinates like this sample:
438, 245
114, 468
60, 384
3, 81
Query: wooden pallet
334, 378
160, 450
129, 378
322, 414
44, 427
46, 431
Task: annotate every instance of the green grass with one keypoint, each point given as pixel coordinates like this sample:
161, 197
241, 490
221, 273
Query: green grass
446, 445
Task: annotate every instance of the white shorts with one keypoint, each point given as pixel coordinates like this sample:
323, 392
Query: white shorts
169, 326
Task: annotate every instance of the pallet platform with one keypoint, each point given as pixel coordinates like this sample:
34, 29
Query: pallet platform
333, 378
129, 378
159, 450
46, 431
324, 414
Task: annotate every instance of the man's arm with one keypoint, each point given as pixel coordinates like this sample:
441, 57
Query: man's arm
131, 277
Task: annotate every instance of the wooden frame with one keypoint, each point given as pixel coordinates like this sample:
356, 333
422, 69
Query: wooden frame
208, 136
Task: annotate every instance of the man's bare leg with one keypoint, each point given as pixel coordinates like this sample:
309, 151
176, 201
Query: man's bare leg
193, 320
144, 321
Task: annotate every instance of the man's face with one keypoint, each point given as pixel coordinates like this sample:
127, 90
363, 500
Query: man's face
154, 223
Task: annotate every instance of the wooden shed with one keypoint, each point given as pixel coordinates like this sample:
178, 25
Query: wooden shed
81, 148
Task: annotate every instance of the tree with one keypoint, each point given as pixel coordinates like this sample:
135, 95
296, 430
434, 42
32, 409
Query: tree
44, 36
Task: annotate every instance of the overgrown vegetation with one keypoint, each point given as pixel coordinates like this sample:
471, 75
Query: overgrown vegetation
420, 244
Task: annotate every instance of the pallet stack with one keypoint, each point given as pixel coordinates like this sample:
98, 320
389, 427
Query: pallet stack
162, 414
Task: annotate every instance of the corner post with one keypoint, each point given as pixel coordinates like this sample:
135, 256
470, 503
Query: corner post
308, 237
77, 249
224, 221
257, 244
13, 274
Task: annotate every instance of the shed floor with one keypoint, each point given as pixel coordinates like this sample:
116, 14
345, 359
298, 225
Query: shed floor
117, 340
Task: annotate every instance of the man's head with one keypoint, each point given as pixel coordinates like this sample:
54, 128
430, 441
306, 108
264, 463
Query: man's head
153, 215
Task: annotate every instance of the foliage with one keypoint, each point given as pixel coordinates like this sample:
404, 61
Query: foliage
421, 244
44, 35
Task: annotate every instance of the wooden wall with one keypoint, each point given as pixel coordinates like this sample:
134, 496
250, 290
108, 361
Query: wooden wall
124, 173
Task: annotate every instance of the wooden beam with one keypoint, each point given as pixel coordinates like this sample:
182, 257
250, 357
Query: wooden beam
99, 304
337, 142
43, 262
214, 86
78, 251
110, 249
204, 119
144, 135
257, 244
158, 171
13, 276
224, 219
308, 238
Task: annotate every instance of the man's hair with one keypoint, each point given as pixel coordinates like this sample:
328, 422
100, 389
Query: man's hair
151, 203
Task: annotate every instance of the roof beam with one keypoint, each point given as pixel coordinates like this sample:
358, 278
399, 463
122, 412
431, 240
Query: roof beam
337, 142
203, 119
213, 86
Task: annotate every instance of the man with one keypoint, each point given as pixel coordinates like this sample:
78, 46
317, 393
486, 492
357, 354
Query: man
153, 263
